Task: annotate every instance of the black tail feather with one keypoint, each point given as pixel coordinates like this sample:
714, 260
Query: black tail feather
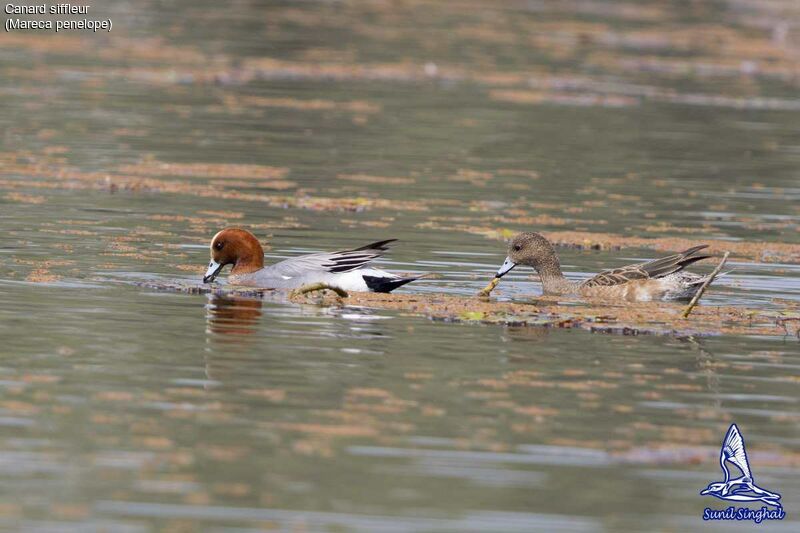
693, 249
695, 258
379, 284
674, 263
380, 245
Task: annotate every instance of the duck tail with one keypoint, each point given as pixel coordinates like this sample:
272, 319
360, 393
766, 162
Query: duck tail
381, 284
692, 255
380, 245
664, 266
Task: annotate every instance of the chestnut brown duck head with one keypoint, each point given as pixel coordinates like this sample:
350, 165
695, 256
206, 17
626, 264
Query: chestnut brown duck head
237, 247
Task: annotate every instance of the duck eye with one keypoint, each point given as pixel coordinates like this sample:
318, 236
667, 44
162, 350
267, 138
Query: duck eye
219, 245
517, 247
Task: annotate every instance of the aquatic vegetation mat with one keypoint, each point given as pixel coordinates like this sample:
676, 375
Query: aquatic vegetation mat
656, 318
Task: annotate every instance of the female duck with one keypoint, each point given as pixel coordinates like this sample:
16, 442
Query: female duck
660, 279
347, 270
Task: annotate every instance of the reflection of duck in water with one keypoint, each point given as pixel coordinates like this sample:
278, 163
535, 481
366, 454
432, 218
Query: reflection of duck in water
231, 326
741, 489
233, 316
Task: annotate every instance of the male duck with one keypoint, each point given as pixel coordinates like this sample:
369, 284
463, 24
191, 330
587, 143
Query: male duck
347, 270
660, 279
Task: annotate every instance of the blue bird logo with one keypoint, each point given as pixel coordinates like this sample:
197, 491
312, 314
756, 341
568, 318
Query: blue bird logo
743, 488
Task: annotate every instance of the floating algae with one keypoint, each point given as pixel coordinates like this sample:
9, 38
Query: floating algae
210, 288
651, 318
314, 287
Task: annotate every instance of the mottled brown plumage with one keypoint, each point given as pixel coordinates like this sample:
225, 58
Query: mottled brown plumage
657, 268
659, 279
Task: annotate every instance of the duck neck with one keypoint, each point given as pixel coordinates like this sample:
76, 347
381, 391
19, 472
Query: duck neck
250, 259
553, 280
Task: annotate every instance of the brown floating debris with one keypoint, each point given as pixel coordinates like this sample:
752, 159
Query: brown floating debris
321, 286
703, 287
153, 167
649, 318
786, 316
42, 275
25, 198
355, 106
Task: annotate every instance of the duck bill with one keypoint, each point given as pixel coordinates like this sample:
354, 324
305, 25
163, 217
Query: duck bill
704, 492
508, 265
212, 272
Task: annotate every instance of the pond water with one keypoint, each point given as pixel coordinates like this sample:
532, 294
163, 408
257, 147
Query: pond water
449, 126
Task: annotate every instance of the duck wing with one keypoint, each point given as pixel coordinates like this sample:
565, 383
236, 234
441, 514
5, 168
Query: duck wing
333, 262
657, 268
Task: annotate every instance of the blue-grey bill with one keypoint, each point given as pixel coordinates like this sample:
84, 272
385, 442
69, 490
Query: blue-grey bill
212, 272
508, 264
